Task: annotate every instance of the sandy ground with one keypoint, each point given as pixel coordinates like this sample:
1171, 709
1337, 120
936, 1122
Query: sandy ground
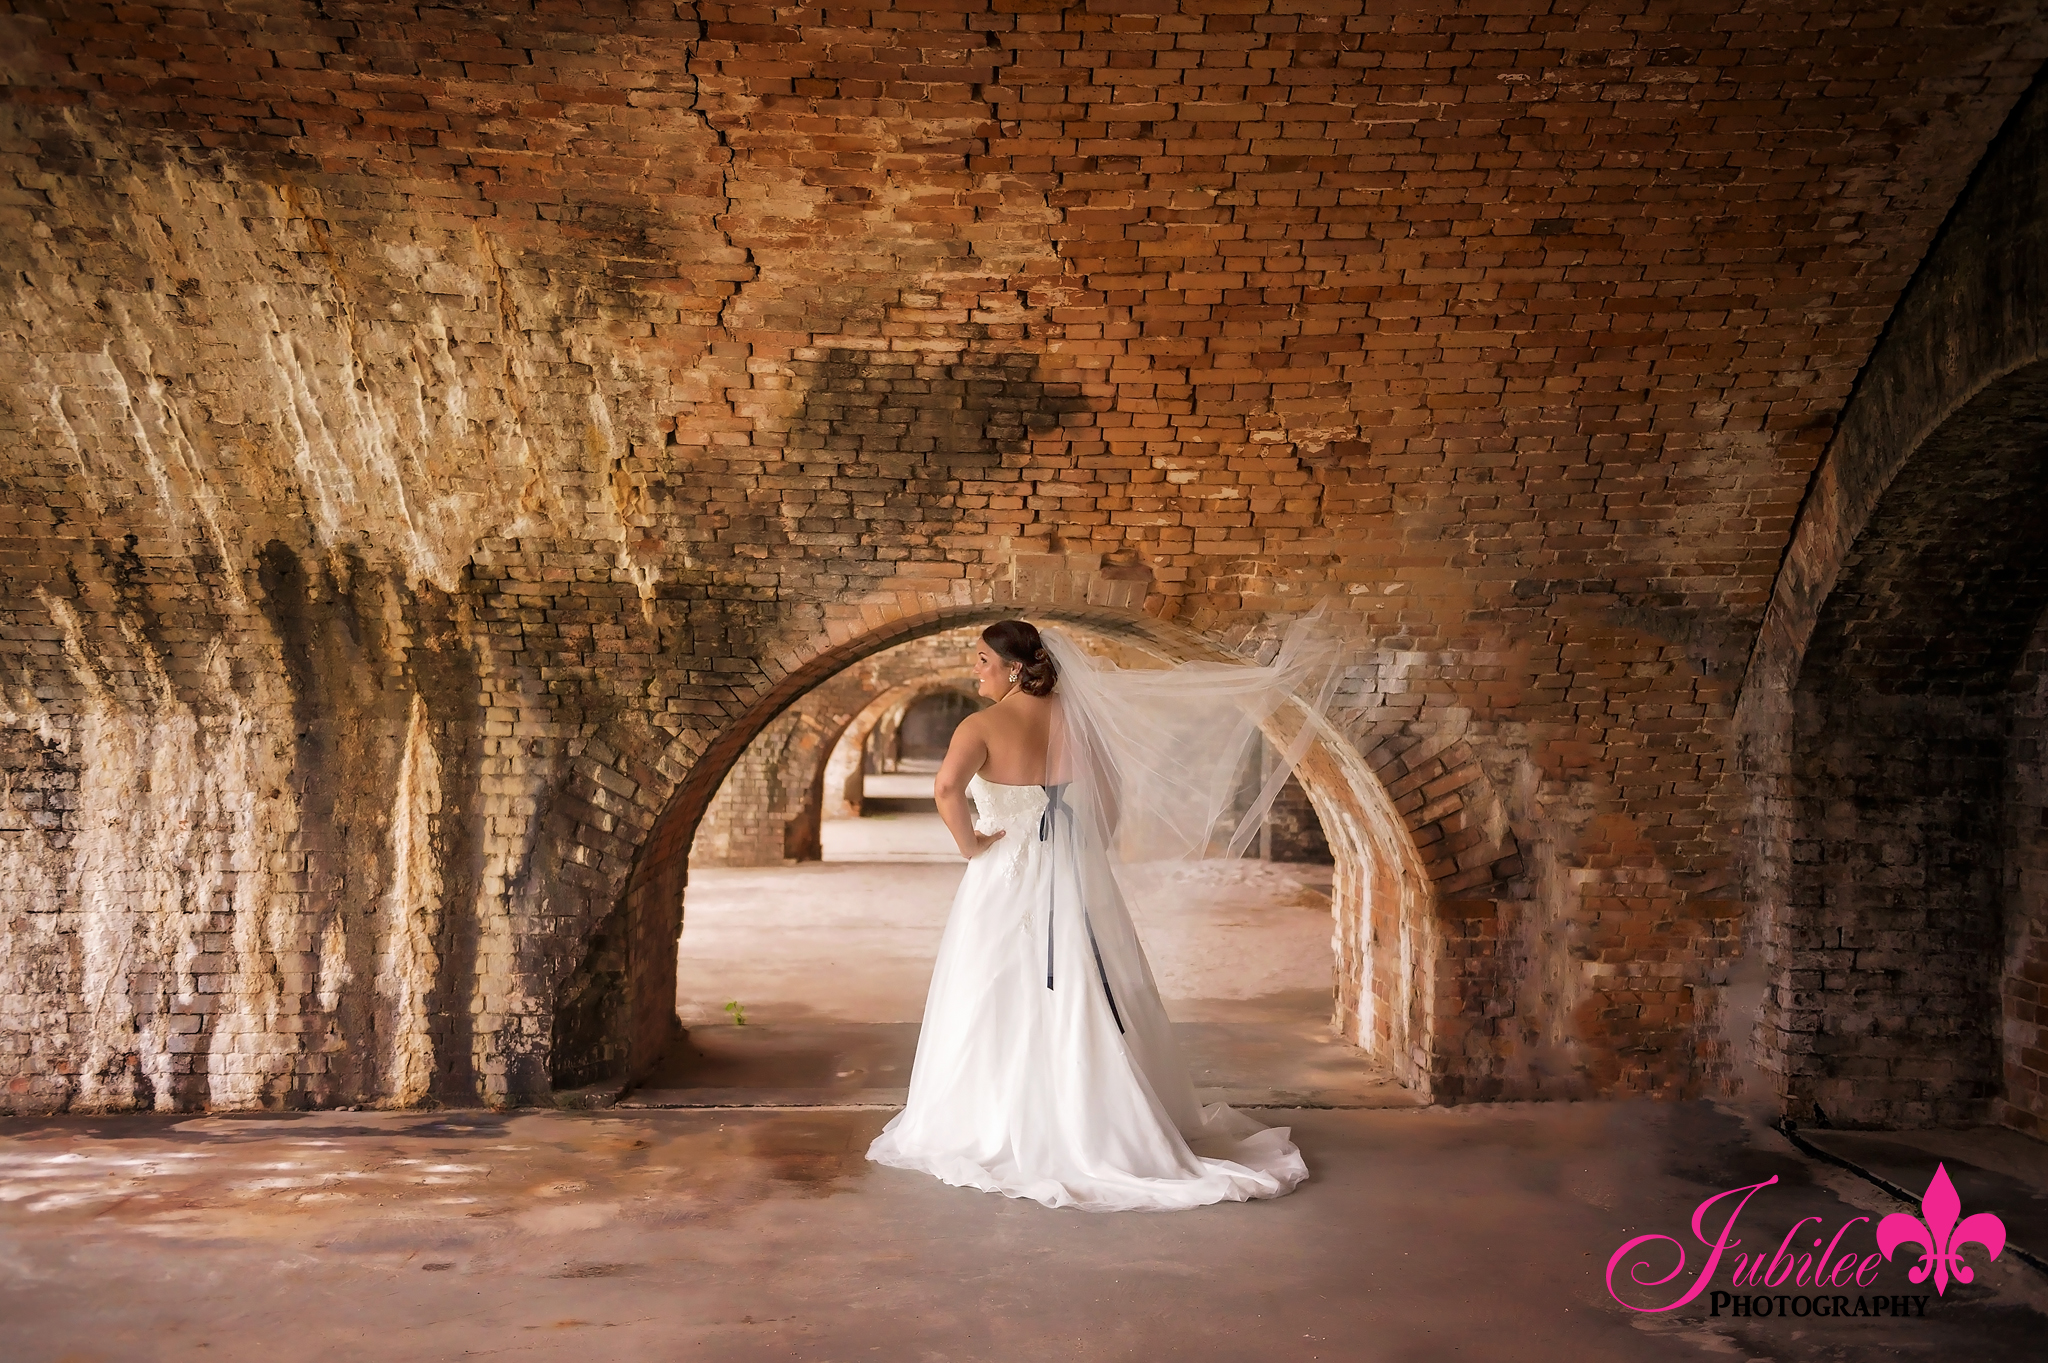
854, 940
830, 962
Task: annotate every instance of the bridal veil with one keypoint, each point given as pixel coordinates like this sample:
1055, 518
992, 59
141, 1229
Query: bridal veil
1046, 1066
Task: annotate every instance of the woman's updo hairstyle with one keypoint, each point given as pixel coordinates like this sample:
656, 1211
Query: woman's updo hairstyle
1017, 643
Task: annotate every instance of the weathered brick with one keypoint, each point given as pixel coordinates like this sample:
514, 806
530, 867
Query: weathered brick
445, 440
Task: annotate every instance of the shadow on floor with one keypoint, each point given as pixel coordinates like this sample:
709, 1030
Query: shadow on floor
792, 1062
1992, 1168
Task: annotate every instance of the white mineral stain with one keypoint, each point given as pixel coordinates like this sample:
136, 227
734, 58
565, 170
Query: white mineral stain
398, 426
334, 973
146, 883
389, 402
627, 504
406, 978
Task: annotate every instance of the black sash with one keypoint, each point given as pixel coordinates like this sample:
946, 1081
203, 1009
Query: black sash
1048, 824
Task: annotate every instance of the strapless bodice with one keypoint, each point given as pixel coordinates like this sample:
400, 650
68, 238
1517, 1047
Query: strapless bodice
1005, 808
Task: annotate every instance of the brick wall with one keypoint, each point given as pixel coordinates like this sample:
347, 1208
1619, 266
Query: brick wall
516, 408
1886, 720
2023, 976
1897, 895
758, 818
770, 809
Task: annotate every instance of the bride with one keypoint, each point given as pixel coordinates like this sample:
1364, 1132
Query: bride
1046, 1067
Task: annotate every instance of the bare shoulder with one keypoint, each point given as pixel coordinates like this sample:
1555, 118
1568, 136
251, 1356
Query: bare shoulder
1010, 718
973, 728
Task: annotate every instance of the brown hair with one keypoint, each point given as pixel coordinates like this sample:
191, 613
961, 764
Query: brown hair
1016, 642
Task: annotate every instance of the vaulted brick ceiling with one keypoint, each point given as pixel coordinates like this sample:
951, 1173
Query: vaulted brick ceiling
1558, 299
510, 405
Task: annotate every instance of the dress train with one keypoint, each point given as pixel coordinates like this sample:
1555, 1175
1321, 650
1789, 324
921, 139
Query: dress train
1046, 1067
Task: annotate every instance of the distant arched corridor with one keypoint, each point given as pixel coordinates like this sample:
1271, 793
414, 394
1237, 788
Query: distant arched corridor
802, 979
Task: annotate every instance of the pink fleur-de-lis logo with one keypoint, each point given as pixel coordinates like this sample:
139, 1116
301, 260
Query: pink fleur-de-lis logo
1939, 1235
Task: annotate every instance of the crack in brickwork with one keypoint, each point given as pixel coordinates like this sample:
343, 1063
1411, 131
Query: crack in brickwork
720, 221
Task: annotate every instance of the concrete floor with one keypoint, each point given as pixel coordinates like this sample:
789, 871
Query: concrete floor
884, 835
1423, 1234
751, 1231
853, 937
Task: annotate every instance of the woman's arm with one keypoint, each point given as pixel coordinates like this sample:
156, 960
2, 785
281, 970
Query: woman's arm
965, 756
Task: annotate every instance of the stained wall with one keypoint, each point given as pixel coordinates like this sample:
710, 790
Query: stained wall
435, 441
1887, 725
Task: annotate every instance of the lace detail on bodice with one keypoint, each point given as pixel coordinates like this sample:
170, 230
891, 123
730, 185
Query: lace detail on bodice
1005, 807
1011, 810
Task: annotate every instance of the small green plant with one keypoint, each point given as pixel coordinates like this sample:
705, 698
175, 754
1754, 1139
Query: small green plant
738, 1011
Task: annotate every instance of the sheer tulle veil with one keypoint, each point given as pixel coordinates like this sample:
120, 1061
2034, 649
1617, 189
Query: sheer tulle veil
1165, 762
1047, 1066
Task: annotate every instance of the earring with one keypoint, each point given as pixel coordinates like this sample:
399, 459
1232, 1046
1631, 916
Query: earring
1013, 677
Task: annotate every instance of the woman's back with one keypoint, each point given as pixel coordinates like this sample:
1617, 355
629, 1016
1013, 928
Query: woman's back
1015, 736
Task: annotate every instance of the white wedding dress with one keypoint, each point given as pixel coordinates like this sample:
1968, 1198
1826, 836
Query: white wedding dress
1046, 1068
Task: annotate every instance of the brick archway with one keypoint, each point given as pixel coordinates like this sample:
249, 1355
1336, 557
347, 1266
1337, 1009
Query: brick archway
1916, 788
770, 809
844, 763
892, 732
1891, 718
616, 1015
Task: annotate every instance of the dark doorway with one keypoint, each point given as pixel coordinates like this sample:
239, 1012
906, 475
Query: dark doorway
928, 727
